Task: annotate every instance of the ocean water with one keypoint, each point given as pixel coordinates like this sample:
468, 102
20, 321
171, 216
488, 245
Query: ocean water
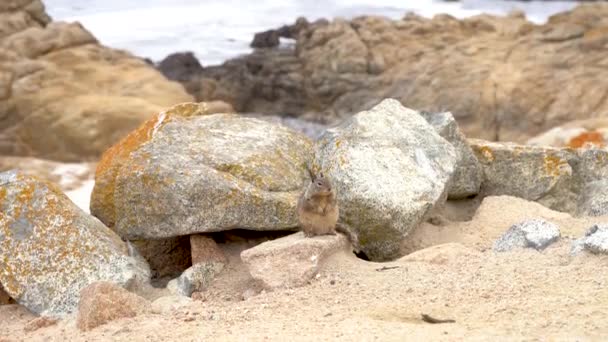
216, 30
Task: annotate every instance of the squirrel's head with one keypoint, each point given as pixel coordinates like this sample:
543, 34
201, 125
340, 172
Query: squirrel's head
321, 185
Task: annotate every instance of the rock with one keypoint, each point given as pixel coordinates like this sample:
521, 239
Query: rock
205, 249
168, 304
180, 66
195, 278
595, 240
66, 96
501, 77
536, 233
167, 257
562, 179
389, 168
50, 249
4, 297
293, 260
467, 177
442, 254
231, 171
39, 323
103, 302
594, 199
575, 134
266, 39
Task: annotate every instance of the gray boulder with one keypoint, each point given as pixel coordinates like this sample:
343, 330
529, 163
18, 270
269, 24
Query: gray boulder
594, 199
467, 177
390, 168
185, 173
537, 234
50, 249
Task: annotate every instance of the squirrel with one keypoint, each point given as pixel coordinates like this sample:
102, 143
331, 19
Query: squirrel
318, 210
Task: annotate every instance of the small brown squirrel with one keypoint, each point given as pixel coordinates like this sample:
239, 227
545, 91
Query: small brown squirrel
318, 210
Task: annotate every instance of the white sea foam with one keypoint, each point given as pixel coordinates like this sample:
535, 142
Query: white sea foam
216, 30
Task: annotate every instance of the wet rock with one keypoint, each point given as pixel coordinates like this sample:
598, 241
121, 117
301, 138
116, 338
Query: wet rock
390, 168
291, 261
467, 177
185, 172
66, 96
103, 302
205, 249
195, 278
501, 76
50, 249
537, 234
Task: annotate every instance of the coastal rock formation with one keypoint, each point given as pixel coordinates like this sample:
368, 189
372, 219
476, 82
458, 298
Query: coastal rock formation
50, 249
63, 95
503, 78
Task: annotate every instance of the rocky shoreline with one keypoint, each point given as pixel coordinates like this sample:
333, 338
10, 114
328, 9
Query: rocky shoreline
193, 212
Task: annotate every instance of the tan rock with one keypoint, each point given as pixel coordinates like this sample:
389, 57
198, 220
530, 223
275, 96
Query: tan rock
59, 83
503, 78
102, 302
205, 249
291, 261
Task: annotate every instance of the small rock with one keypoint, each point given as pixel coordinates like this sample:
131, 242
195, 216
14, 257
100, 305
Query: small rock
167, 304
536, 233
249, 293
180, 66
102, 302
266, 39
595, 240
291, 261
205, 249
195, 278
39, 323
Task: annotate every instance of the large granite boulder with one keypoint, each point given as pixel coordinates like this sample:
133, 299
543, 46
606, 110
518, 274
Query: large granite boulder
50, 249
389, 168
503, 78
564, 179
63, 95
184, 172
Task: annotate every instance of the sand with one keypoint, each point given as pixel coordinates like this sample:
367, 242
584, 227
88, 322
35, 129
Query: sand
452, 273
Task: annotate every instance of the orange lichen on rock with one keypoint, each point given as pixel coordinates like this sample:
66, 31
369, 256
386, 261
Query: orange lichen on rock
586, 138
102, 198
553, 165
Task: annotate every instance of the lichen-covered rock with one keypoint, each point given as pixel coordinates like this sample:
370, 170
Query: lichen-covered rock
102, 302
562, 179
195, 278
594, 199
537, 234
466, 180
185, 173
293, 260
50, 249
389, 168
67, 96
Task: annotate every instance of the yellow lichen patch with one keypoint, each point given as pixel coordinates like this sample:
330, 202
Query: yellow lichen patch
189, 109
592, 138
554, 165
487, 153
